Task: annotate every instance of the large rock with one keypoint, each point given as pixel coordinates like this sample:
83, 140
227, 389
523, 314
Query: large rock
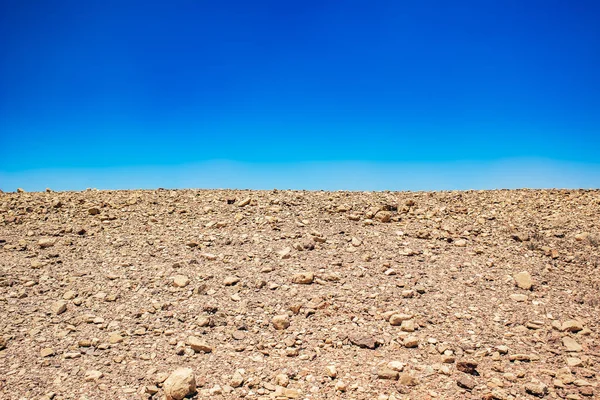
179, 384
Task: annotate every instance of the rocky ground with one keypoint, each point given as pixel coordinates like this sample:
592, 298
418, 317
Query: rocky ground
308, 295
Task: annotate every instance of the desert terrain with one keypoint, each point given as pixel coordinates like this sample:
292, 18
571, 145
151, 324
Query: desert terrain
225, 294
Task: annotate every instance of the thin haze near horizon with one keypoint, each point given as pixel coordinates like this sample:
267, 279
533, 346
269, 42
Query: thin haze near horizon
333, 95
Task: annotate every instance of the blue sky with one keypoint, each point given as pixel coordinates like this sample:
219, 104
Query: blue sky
361, 95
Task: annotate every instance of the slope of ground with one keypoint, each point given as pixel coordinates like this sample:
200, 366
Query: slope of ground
291, 294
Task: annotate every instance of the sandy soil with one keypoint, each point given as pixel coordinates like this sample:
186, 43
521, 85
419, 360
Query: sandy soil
289, 294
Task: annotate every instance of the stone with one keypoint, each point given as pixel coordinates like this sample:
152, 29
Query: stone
341, 386
407, 379
396, 366
58, 307
230, 280
572, 326
387, 373
521, 237
466, 382
502, 349
93, 211
244, 202
573, 362
237, 380
331, 371
410, 342
92, 375
180, 281
523, 280
115, 338
179, 384
198, 345
538, 389
571, 344
397, 319
519, 297
281, 322
408, 325
383, 216
282, 380
3, 342
45, 243
363, 341
580, 237
47, 352
467, 366
304, 278
285, 253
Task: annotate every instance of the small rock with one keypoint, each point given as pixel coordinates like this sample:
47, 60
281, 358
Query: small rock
304, 278
180, 281
92, 375
460, 243
536, 389
237, 380
244, 202
396, 366
230, 280
331, 371
362, 341
383, 216
340, 386
519, 297
281, 322
47, 352
466, 382
408, 325
407, 379
411, 342
285, 253
93, 211
523, 280
179, 384
467, 366
573, 362
521, 237
115, 338
198, 345
580, 237
282, 380
397, 319
572, 326
571, 344
58, 307
387, 373
44, 243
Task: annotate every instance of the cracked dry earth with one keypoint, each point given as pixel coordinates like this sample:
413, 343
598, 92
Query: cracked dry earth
290, 294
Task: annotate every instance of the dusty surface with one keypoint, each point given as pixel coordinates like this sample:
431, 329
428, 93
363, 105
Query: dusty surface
280, 294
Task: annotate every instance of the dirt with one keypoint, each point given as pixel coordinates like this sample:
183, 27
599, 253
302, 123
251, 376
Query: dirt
292, 294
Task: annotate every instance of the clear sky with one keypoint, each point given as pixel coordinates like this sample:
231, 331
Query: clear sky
361, 95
